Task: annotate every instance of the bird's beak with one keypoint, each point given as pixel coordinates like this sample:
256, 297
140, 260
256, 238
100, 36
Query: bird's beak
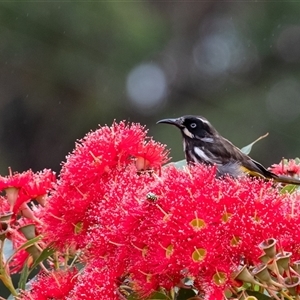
176, 122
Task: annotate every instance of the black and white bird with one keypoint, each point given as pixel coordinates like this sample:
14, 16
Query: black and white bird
202, 143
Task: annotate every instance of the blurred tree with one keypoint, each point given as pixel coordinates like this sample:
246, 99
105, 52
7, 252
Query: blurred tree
66, 67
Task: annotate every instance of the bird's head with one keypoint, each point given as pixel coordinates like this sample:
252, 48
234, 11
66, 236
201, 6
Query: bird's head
192, 126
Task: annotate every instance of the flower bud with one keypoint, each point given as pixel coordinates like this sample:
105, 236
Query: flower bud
269, 247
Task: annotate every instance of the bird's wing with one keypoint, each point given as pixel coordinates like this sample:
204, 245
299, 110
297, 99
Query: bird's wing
225, 153
256, 169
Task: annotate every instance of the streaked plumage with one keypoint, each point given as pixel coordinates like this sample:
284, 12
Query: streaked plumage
203, 144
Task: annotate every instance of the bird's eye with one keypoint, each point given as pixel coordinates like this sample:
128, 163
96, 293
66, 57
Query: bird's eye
193, 125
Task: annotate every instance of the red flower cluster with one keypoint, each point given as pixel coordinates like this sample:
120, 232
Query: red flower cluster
202, 228
109, 148
133, 221
21, 189
53, 285
98, 281
287, 167
109, 156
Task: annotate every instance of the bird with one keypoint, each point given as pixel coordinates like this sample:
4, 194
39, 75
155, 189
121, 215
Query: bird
202, 143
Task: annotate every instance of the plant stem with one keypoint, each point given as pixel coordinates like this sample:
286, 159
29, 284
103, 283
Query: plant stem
4, 276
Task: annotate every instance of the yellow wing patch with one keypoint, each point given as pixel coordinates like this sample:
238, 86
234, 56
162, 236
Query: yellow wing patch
251, 173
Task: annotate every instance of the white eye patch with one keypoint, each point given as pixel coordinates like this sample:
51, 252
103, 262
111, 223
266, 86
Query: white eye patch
193, 125
188, 133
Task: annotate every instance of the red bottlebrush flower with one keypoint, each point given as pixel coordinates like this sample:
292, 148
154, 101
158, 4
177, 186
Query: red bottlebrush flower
20, 258
64, 216
288, 167
13, 183
53, 285
199, 226
40, 185
107, 148
151, 155
4, 206
98, 281
213, 293
290, 241
20, 188
36, 188
16, 180
98, 218
112, 217
104, 157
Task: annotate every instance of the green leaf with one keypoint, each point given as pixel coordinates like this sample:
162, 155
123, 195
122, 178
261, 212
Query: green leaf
178, 164
258, 295
30, 243
158, 296
132, 297
247, 149
24, 276
154, 296
24, 246
185, 294
290, 188
48, 251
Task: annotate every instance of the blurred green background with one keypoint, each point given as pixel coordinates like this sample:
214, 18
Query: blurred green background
67, 67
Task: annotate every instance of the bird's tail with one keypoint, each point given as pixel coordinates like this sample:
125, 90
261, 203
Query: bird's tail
287, 180
270, 175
